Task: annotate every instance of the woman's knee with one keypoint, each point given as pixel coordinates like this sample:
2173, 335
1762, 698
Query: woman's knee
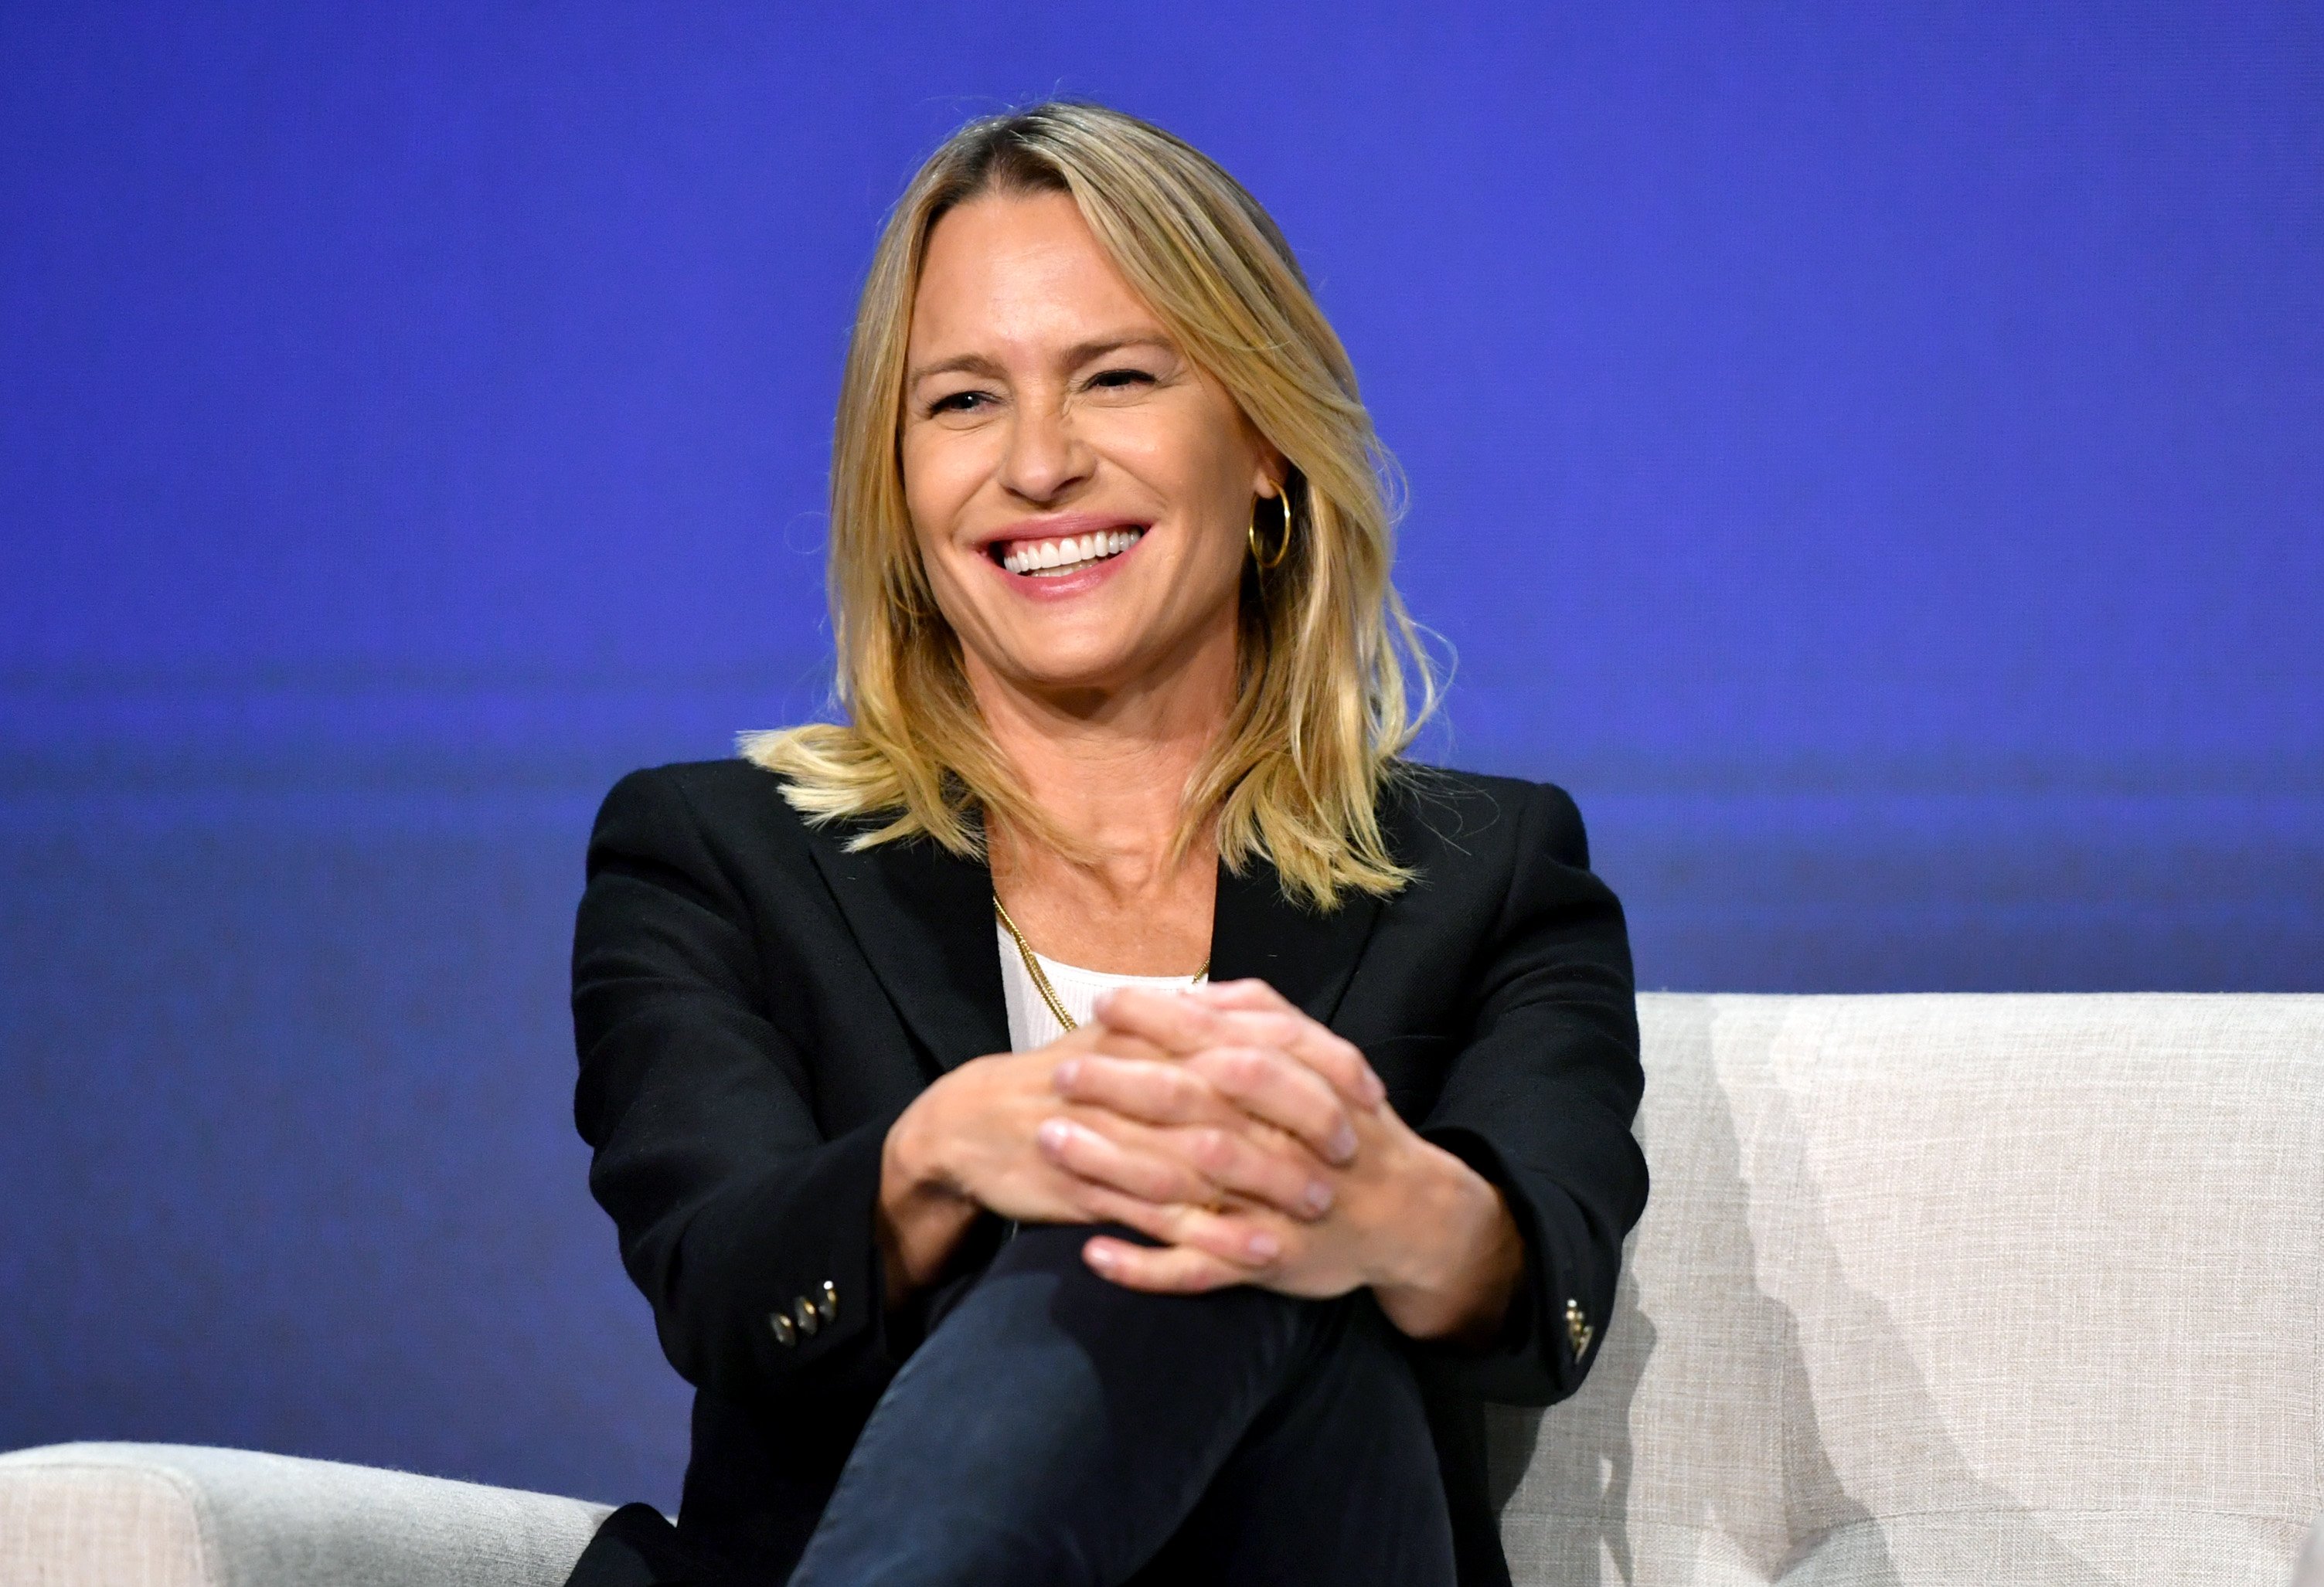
1042, 1266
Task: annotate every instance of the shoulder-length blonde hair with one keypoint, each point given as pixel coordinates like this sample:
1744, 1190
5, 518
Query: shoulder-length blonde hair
1329, 661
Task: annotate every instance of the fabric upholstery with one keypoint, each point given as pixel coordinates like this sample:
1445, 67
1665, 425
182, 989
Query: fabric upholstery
1949, 1289
147, 1514
1991, 1291
66, 1521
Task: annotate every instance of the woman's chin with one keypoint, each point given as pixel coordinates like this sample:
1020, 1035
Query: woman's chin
1055, 678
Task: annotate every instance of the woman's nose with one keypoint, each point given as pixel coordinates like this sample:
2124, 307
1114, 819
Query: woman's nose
1044, 459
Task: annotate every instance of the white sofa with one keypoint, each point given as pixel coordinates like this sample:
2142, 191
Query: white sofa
1934, 1289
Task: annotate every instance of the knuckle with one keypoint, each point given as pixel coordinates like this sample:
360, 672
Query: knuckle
1095, 1202
1241, 1071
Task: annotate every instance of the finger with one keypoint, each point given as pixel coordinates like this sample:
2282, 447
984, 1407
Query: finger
1152, 1176
1202, 1164
1116, 1043
1259, 1017
1185, 1023
1282, 1177
1249, 993
1250, 1242
1168, 1269
1284, 1092
1156, 1091
1171, 1021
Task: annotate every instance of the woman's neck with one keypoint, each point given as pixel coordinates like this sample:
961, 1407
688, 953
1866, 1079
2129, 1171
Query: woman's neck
1111, 769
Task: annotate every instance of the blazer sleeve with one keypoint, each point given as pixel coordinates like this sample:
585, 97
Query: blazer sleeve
1540, 1102
731, 1205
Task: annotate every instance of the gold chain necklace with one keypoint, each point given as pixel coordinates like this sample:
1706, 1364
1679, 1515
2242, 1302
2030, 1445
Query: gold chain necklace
1040, 978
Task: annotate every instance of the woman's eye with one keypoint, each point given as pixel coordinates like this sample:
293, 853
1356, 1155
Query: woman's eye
1115, 379
957, 402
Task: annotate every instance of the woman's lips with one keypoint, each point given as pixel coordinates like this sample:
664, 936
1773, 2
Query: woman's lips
1063, 555
1058, 559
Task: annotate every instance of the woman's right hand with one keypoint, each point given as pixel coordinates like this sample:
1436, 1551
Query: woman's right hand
991, 1135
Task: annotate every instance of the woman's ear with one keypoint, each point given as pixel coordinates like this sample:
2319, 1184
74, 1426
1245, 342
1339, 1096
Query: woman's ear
1270, 468
1273, 468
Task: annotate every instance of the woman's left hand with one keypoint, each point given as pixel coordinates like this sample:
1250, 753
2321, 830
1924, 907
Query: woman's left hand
1428, 1234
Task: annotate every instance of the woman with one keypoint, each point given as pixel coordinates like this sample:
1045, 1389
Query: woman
1098, 1114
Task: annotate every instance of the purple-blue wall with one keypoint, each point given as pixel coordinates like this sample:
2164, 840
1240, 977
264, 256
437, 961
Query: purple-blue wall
1874, 455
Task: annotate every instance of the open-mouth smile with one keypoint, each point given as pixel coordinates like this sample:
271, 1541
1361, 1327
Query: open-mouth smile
1067, 553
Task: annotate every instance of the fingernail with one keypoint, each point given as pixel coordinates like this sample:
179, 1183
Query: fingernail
1100, 1257
1317, 1198
1375, 1087
1054, 1134
1342, 1144
1066, 1074
1263, 1246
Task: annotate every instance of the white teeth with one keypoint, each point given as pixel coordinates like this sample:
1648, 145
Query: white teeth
1073, 552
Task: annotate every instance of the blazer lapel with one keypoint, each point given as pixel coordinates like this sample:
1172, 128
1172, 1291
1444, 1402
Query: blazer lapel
923, 918
1306, 956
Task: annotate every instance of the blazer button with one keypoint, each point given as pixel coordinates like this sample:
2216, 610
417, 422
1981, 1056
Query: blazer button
804, 1310
829, 1305
1578, 1331
784, 1333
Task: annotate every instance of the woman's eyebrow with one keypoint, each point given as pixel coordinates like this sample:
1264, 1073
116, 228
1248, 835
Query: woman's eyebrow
974, 364
1081, 353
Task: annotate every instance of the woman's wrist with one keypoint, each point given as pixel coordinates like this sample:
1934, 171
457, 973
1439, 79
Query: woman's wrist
1456, 1258
921, 1217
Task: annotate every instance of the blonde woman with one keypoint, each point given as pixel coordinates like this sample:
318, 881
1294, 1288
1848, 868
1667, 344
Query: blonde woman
1098, 1115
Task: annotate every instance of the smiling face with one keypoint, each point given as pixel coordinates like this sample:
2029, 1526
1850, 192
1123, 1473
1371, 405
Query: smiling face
1079, 489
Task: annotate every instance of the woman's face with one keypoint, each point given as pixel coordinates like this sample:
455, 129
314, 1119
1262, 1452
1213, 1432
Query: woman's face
1080, 489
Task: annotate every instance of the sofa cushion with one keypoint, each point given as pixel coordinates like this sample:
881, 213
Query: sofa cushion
1933, 1288
159, 1515
67, 1522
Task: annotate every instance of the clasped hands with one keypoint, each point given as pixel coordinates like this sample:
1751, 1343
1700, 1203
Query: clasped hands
1256, 1145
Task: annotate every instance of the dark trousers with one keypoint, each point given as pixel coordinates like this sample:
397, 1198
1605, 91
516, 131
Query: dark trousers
1056, 1428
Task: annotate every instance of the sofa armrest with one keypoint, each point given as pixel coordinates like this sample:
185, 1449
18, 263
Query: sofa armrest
2310, 1571
181, 1516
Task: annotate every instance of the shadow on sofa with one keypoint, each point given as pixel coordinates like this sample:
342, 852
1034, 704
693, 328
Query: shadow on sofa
1760, 1412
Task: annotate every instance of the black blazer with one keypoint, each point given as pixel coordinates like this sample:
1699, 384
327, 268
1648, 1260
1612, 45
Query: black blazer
754, 1006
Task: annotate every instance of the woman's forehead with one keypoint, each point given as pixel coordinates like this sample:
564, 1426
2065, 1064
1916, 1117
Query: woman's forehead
1022, 272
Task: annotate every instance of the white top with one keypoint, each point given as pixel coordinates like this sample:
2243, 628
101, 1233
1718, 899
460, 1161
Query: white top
1031, 1022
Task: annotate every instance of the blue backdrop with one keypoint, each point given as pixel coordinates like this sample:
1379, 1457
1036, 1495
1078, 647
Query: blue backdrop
1874, 455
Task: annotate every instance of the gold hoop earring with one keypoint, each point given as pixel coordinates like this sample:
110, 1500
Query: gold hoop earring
1267, 565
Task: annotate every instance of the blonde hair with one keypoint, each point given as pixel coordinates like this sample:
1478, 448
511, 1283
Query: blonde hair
1328, 658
